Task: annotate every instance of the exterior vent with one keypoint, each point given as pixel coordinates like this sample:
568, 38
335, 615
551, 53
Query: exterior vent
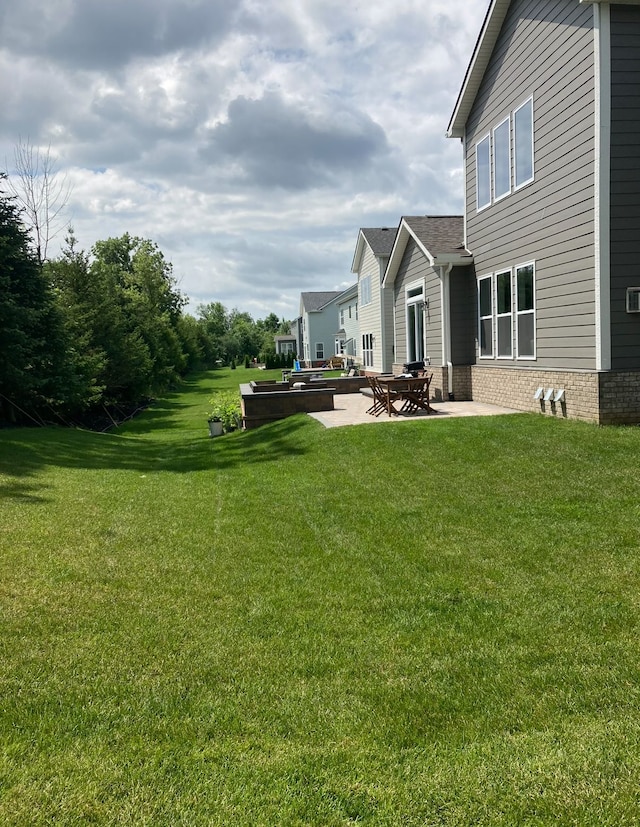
633, 299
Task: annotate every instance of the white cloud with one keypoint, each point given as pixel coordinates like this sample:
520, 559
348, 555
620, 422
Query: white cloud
249, 140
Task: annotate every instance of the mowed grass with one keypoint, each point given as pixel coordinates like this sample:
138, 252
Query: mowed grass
421, 623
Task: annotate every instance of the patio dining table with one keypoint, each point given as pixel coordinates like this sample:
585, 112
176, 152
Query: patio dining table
413, 392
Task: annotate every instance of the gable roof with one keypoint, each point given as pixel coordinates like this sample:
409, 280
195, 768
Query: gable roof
378, 239
439, 237
487, 38
312, 302
349, 293
482, 52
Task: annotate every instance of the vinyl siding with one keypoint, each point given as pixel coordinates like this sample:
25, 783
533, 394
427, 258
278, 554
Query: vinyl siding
414, 267
462, 286
372, 316
545, 50
625, 183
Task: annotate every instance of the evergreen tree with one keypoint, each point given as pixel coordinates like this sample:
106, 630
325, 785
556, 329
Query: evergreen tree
30, 333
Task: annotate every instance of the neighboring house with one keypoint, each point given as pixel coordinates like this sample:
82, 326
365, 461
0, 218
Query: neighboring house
296, 332
375, 303
549, 118
286, 344
347, 335
319, 325
434, 304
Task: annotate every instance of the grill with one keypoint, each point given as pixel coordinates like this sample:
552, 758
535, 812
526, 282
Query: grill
413, 367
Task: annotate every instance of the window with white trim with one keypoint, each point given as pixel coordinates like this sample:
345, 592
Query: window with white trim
341, 317
504, 315
505, 157
502, 159
365, 290
367, 350
485, 317
525, 312
523, 144
319, 350
415, 322
483, 173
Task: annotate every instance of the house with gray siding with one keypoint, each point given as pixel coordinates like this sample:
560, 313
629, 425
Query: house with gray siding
549, 120
431, 279
375, 303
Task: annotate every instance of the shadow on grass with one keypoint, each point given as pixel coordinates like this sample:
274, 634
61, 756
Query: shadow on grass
24, 453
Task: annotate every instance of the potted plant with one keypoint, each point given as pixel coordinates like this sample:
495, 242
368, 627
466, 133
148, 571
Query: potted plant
215, 426
225, 414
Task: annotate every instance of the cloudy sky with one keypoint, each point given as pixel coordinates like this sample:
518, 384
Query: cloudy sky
250, 139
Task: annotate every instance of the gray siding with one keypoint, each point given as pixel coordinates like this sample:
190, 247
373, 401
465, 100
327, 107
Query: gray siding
414, 267
625, 182
463, 308
545, 49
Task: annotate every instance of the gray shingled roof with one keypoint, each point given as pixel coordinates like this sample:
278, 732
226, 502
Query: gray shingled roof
315, 301
380, 239
438, 233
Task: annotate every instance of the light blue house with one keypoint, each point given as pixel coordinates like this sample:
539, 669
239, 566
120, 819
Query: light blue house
319, 323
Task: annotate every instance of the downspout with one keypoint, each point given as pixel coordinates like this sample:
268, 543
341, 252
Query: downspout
445, 304
602, 40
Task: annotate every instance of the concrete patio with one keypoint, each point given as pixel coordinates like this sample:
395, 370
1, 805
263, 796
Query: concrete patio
351, 409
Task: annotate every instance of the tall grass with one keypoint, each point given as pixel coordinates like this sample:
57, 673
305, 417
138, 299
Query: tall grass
430, 622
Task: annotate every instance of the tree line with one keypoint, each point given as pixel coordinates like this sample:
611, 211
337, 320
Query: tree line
104, 331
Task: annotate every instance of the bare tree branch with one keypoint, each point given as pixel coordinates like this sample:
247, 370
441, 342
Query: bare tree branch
41, 192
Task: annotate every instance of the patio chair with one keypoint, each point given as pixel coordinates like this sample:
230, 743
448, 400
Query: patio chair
416, 398
381, 397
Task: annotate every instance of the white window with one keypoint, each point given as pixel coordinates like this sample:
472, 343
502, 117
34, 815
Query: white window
525, 312
341, 318
365, 290
367, 350
319, 350
523, 144
415, 322
485, 316
483, 173
502, 159
356, 311
504, 315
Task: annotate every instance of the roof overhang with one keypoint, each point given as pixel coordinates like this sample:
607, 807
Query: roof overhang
479, 61
435, 259
357, 256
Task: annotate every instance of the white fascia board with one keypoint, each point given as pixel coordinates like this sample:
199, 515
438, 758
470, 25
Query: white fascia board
404, 233
357, 256
477, 67
399, 246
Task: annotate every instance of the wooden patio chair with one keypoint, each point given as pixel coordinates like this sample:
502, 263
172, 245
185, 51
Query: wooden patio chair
381, 397
416, 398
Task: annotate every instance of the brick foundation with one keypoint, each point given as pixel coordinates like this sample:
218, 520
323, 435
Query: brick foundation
610, 397
607, 397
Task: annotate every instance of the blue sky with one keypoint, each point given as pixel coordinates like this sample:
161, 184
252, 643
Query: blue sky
250, 140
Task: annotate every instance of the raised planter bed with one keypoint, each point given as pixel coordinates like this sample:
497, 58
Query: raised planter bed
263, 406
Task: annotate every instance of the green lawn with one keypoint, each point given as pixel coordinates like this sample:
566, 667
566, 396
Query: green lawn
425, 623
